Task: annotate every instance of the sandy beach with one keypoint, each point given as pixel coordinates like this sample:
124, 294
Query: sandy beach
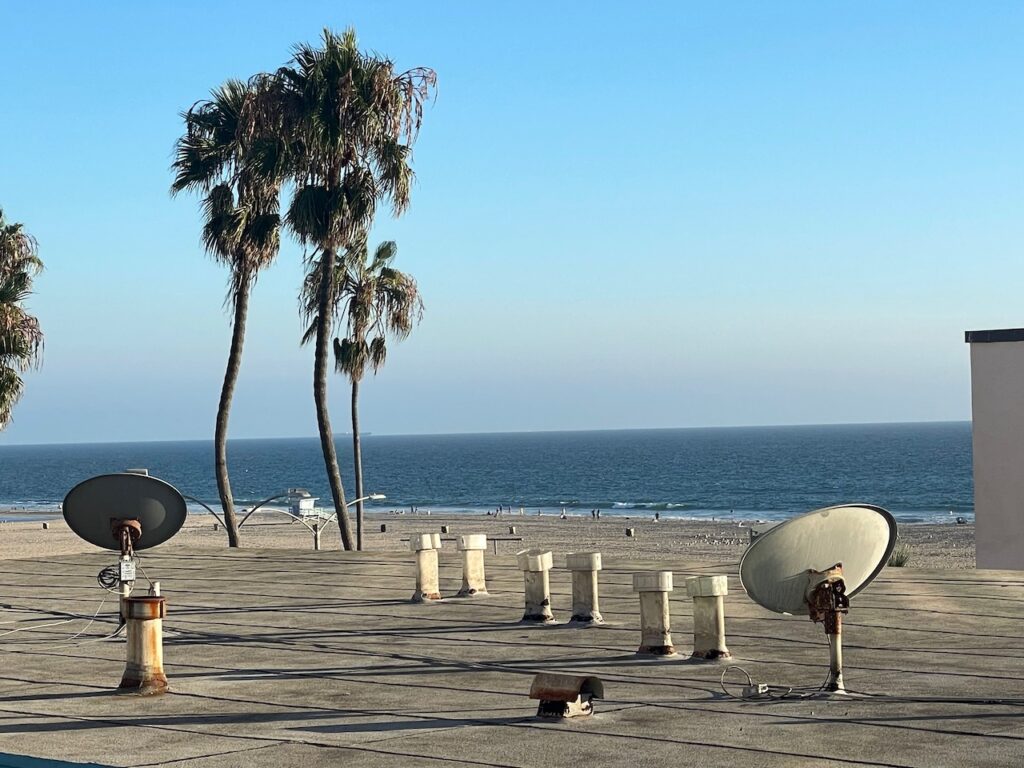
931, 545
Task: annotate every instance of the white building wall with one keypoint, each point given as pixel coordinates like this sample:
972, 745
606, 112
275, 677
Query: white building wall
997, 403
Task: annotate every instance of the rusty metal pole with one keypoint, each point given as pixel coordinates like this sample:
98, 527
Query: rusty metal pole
144, 667
474, 580
826, 603
655, 621
708, 593
425, 545
535, 565
585, 604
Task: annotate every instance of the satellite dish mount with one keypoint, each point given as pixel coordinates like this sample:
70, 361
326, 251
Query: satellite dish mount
826, 604
127, 533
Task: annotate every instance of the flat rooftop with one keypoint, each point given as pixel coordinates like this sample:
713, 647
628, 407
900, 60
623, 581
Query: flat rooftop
281, 658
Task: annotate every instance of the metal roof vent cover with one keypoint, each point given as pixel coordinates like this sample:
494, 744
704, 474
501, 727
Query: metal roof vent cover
564, 696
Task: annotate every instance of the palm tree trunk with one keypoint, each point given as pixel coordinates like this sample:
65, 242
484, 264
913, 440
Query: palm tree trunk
323, 418
227, 391
357, 454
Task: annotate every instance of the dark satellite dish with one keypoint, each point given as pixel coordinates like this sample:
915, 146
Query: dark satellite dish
813, 564
105, 508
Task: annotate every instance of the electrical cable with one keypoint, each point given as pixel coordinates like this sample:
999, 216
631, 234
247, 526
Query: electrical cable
58, 623
98, 609
41, 626
727, 670
138, 562
780, 692
111, 636
759, 691
108, 579
764, 691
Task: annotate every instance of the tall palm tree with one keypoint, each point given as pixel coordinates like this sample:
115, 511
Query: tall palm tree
375, 301
348, 120
233, 165
21, 339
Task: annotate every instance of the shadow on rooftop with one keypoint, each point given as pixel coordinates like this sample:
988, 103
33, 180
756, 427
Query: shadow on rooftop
412, 725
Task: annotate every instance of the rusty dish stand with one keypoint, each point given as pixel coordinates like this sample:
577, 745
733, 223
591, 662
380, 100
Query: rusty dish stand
826, 603
144, 662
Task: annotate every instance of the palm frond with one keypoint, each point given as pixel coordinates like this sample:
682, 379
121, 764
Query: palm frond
378, 353
383, 255
21, 337
307, 214
349, 120
234, 158
11, 388
375, 301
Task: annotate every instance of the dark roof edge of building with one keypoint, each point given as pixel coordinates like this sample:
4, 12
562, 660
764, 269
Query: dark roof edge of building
988, 337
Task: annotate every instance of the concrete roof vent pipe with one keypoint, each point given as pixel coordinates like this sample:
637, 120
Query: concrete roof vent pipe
535, 565
585, 601
425, 545
474, 581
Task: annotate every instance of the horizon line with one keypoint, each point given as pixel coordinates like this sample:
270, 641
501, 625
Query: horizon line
338, 435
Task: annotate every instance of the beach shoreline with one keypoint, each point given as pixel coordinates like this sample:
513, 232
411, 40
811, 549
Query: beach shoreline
931, 545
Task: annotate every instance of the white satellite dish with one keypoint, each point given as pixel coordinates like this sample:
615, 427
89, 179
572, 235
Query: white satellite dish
812, 564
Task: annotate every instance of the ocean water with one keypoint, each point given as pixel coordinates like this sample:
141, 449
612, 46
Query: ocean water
921, 472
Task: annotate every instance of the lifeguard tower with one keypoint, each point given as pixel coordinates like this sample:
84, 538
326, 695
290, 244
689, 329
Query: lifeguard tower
301, 504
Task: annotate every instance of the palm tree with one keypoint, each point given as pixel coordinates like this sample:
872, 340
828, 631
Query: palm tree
222, 156
349, 121
21, 339
376, 301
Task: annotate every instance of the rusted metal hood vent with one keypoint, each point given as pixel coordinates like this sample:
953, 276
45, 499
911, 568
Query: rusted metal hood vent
565, 695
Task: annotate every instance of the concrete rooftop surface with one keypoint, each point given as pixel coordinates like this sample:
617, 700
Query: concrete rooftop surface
288, 658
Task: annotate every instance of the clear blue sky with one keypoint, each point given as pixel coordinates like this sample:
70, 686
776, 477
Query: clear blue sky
627, 215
